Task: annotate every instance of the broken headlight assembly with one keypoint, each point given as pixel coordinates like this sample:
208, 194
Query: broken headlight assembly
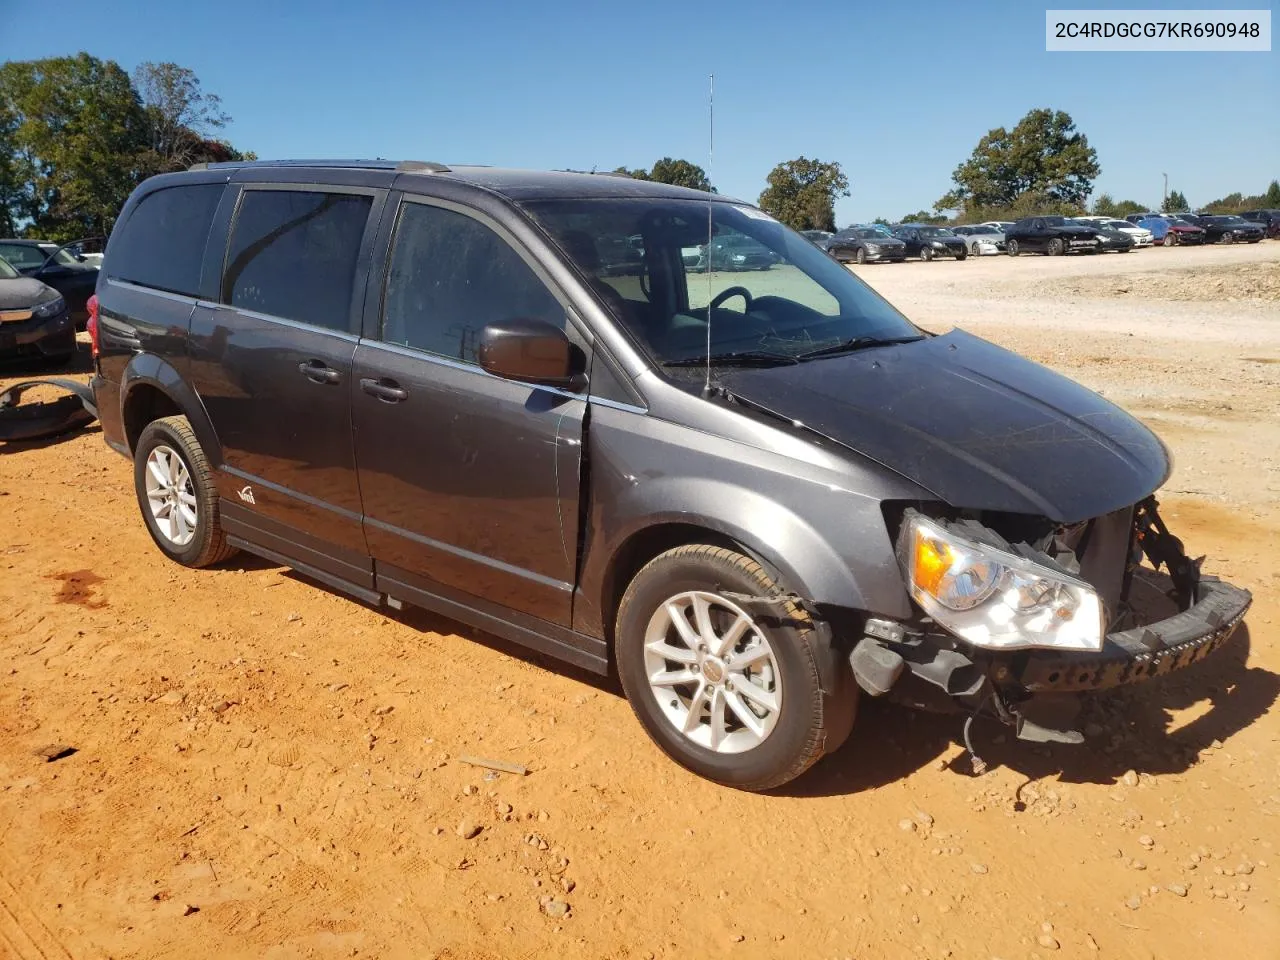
993, 597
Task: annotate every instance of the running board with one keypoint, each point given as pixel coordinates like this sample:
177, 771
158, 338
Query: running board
329, 579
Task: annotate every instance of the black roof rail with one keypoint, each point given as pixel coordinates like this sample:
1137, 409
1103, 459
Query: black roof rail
403, 166
421, 166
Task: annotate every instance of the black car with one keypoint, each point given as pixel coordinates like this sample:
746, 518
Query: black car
752, 496
1054, 236
1230, 229
34, 322
866, 245
1111, 241
926, 241
819, 238
1269, 220
58, 267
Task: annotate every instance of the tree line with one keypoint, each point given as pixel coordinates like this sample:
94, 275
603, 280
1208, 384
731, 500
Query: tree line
78, 133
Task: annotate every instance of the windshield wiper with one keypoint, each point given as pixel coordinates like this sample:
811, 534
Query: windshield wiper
737, 357
854, 343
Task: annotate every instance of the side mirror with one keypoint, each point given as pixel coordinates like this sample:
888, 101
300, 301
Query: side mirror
531, 351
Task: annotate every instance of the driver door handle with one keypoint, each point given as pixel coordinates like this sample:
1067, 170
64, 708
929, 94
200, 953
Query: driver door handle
385, 389
319, 371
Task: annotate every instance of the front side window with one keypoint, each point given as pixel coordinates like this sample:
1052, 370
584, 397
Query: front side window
7, 272
22, 255
293, 254
763, 288
162, 243
451, 275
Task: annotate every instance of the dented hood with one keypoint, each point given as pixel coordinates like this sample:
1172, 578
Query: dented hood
979, 426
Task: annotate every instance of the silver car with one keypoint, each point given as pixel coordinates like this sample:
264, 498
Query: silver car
981, 239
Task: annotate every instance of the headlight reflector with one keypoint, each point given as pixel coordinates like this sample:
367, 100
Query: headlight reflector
50, 308
994, 598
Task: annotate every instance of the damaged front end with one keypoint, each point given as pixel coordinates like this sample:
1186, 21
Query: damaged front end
1018, 616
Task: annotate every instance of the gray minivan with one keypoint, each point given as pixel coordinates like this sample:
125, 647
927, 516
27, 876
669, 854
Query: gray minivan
753, 494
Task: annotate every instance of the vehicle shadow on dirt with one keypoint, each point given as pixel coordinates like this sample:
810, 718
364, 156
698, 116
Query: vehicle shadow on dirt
1127, 729
1130, 728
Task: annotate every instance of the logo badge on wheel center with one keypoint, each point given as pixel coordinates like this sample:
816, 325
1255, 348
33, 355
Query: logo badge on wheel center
712, 670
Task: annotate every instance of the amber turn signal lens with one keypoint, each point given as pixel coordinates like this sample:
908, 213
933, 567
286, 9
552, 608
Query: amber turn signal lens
933, 559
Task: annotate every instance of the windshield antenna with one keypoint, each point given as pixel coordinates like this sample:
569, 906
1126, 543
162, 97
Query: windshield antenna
711, 151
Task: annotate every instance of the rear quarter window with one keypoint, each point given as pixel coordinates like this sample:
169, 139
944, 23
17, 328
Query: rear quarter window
162, 243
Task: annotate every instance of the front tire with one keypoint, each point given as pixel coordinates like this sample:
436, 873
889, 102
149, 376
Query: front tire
1056, 247
727, 689
1170, 239
1011, 248
861, 255
961, 255
926, 254
176, 493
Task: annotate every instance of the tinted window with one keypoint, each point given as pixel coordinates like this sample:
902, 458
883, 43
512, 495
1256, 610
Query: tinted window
450, 276
161, 245
293, 255
22, 255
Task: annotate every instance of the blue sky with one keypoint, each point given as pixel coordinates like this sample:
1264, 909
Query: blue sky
898, 93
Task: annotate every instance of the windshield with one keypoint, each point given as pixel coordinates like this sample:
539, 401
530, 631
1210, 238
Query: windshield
63, 256
983, 229
936, 232
7, 272
1235, 221
867, 234
1118, 224
787, 298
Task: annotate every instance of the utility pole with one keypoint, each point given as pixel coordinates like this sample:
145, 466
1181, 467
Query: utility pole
1165, 204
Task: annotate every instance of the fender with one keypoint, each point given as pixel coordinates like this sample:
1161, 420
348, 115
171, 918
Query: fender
149, 369
804, 558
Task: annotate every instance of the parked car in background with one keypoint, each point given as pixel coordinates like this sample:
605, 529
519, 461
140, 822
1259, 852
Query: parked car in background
927, 241
1141, 235
1168, 232
819, 238
739, 253
981, 239
411, 383
34, 321
56, 266
1052, 235
1111, 240
1001, 225
1268, 219
1229, 228
866, 245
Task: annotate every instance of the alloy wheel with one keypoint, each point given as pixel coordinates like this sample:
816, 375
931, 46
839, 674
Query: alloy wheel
712, 672
171, 495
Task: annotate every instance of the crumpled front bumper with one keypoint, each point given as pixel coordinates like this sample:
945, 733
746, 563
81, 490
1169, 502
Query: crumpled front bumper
1131, 656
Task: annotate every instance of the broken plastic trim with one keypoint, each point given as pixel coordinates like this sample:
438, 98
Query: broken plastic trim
36, 421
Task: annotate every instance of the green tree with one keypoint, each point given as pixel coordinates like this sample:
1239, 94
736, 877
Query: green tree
1177, 203
802, 193
681, 173
638, 174
180, 115
1271, 199
1104, 206
923, 216
76, 137
1043, 156
80, 128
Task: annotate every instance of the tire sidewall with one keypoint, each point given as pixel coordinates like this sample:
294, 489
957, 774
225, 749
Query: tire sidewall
159, 433
801, 693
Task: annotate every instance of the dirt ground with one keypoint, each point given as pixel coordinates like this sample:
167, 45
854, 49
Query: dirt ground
265, 768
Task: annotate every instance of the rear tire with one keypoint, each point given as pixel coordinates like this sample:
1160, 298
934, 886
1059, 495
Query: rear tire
1170, 239
654, 652
926, 254
962, 254
1011, 248
168, 498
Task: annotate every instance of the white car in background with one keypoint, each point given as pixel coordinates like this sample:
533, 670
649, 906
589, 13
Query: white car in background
982, 239
1142, 237
1001, 225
